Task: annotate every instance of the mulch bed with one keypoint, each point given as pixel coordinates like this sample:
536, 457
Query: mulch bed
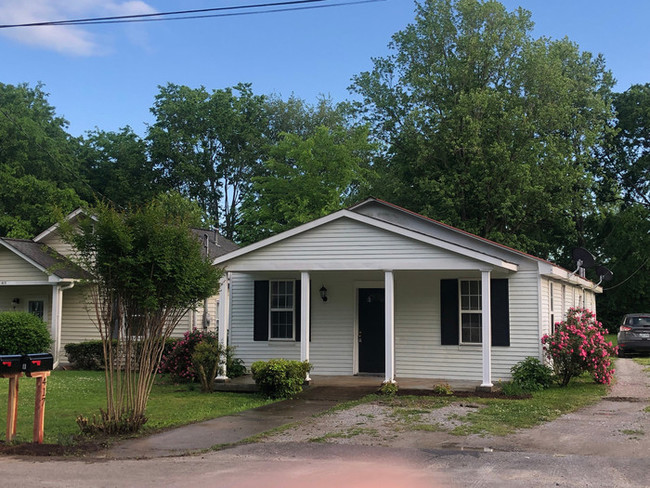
49, 450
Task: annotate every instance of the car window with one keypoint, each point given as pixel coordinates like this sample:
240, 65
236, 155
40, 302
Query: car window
642, 321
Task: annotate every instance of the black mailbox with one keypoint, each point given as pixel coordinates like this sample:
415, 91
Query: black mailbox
37, 362
11, 363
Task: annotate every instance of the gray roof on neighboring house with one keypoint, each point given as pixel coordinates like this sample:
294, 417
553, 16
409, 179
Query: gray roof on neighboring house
217, 244
46, 257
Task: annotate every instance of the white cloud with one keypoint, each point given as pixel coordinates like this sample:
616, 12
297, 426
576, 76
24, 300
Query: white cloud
73, 40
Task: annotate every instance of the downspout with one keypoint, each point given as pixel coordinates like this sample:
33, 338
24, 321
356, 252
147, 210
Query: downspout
58, 320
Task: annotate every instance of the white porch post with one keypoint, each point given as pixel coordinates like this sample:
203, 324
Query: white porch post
389, 285
55, 321
224, 318
486, 326
305, 304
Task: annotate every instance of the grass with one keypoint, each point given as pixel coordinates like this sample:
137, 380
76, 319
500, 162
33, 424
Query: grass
71, 393
611, 338
346, 434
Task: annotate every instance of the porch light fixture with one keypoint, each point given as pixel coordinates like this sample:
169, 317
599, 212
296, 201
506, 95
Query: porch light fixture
323, 293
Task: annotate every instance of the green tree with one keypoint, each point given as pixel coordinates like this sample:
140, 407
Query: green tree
303, 179
149, 271
117, 167
208, 145
38, 166
486, 128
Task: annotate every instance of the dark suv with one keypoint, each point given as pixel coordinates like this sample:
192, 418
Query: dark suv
634, 334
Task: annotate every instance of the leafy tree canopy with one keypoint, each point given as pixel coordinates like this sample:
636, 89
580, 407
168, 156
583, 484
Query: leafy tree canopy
484, 127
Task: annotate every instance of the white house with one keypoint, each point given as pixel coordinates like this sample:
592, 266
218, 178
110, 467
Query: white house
379, 289
37, 276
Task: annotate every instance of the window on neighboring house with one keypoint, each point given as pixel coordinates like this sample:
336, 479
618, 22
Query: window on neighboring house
470, 311
36, 307
282, 309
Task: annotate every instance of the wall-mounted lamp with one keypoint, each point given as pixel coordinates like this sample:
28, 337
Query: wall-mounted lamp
323, 293
15, 302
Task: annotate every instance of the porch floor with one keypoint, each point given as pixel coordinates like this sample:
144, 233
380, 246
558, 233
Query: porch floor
246, 384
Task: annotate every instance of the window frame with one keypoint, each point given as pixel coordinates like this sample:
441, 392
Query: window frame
285, 309
470, 311
36, 300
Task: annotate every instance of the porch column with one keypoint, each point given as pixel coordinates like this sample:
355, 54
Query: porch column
486, 326
224, 318
55, 321
305, 305
389, 285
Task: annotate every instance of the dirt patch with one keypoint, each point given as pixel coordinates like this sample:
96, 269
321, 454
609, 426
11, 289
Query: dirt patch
50, 450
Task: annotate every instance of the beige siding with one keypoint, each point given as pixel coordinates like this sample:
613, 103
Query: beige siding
349, 244
24, 295
59, 245
194, 318
15, 268
77, 317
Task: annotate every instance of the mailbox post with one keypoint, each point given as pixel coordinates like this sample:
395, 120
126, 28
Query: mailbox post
36, 366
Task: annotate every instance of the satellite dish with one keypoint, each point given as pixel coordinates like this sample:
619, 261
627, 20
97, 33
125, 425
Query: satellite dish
584, 259
604, 273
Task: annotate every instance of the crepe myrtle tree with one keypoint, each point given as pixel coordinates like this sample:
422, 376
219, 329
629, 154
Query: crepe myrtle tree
149, 271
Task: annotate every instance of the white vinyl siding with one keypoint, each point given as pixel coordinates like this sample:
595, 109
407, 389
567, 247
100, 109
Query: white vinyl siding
15, 268
77, 317
349, 245
55, 241
418, 352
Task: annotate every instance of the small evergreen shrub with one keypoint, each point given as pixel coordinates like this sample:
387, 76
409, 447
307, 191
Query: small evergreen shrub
23, 333
388, 389
205, 361
443, 389
280, 378
531, 375
86, 355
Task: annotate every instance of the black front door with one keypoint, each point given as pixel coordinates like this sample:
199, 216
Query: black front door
372, 337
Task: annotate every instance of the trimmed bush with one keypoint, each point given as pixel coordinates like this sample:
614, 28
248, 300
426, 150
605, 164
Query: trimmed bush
280, 378
531, 375
205, 361
89, 355
23, 333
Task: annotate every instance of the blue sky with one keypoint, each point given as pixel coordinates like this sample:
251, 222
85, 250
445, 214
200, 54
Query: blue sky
106, 76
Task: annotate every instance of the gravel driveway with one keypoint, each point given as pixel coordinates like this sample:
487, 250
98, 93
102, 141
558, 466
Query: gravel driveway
617, 426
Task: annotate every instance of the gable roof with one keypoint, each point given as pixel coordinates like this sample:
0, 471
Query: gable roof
218, 245
402, 221
45, 258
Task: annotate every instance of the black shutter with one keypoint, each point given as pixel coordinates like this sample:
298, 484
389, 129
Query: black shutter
296, 320
500, 312
448, 312
261, 311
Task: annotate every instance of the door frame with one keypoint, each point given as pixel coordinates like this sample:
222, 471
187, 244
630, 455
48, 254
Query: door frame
355, 329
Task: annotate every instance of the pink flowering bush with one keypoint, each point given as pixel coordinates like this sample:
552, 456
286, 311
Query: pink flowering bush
578, 345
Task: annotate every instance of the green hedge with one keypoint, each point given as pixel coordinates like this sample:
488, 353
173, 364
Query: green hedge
89, 355
23, 333
280, 378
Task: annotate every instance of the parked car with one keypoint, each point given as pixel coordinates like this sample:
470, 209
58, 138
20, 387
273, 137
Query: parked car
634, 334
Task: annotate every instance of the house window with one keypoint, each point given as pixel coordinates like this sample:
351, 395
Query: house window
470, 311
36, 307
282, 309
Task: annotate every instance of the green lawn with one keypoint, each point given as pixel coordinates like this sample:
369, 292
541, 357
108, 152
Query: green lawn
71, 393
611, 338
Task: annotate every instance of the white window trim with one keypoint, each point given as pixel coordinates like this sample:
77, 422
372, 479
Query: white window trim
478, 312
293, 313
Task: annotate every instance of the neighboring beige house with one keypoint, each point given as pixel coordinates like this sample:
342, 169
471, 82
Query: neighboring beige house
381, 290
36, 276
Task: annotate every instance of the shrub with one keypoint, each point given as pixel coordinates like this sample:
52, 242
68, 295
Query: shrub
443, 389
23, 333
177, 359
205, 361
90, 354
389, 389
531, 375
86, 355
578, 345
280, 378
511, 388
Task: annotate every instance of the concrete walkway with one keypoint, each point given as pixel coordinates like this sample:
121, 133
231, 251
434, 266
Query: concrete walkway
235, 428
